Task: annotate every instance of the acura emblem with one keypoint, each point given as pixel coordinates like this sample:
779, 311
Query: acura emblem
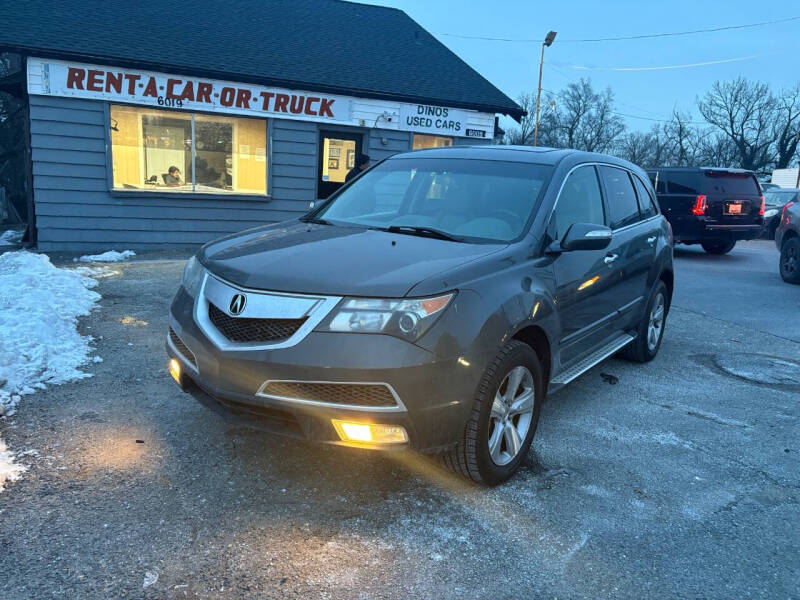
237, 304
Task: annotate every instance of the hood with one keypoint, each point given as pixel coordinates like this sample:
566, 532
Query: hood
340, 261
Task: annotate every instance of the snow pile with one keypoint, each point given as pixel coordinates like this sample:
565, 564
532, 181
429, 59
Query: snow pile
9, 470
110, 256
39, 342
10, 237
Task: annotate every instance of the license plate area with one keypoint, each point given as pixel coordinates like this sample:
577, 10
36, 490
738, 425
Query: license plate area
734, 208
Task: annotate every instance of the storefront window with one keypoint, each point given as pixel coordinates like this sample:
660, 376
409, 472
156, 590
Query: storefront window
431, 141
171, 151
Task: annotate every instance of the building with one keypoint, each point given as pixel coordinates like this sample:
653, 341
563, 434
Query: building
262, 106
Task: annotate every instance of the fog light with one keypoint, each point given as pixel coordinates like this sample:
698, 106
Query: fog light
369, 433
175, 370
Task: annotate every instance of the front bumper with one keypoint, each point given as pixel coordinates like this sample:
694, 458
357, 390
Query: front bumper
435, 394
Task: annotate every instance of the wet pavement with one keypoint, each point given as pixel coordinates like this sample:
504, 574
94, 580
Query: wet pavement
678, 478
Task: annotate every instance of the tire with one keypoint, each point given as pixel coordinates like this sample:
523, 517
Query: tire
641, 349
789, 264
718, 247
471, 457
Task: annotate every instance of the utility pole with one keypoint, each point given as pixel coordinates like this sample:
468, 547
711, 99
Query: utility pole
548, 41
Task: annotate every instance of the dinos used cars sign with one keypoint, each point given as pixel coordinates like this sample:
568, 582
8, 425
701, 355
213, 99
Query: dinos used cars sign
161, 90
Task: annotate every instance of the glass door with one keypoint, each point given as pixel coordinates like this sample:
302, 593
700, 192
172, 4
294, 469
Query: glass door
337, 155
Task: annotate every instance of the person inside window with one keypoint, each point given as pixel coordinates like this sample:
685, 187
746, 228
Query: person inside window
362, 162
173, 177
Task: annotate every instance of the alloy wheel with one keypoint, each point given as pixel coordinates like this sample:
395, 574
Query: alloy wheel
511, 415
656, 323
790, 260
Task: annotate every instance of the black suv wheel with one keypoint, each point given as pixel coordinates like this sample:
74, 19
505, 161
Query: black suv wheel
718, 247
504, 417
790, 261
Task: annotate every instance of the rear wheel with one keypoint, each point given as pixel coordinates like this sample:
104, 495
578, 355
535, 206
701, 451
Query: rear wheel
718, 247
651, 328
504, 417
790, 261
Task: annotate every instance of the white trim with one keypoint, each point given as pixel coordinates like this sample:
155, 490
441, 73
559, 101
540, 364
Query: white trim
256, 100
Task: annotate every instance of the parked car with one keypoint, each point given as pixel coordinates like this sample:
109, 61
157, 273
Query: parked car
774, 201
787, 239
431, 303
709, 206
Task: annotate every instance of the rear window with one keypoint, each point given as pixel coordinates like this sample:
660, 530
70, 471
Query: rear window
681, 182
719, 182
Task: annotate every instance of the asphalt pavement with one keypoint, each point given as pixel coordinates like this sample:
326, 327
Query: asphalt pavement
681, 480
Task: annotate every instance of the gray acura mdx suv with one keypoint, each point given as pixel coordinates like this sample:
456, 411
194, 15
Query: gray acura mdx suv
431, 304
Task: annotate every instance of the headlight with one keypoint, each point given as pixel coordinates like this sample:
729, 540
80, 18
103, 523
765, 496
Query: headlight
771, 213
407, 318
192, 276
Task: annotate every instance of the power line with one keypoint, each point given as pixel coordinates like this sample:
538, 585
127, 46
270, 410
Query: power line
627, 37
671, 67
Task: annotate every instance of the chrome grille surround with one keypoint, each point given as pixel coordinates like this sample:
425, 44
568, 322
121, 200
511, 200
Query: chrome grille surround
260, 304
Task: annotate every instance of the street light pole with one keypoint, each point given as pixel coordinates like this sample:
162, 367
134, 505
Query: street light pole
548, 41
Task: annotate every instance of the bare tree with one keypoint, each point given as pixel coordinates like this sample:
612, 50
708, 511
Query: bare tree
639, 147
745, 112
523, 135
717, 150
683, 140
786, 127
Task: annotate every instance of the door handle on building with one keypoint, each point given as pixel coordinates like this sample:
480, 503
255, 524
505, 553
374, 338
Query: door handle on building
610, 258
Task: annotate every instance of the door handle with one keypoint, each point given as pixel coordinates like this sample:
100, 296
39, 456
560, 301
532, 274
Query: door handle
610, 258
651, 240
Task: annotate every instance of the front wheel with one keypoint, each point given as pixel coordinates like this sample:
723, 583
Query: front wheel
790, 261
718, 247
504, 417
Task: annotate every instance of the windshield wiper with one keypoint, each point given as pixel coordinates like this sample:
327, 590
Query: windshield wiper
317, 221
423, 232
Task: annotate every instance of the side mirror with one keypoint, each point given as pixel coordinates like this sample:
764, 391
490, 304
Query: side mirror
582, 236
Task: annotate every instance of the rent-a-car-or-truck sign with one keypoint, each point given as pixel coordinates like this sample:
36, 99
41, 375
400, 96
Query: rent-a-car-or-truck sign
181, 92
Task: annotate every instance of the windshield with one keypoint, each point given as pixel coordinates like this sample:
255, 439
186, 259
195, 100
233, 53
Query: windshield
475, 199
774, 197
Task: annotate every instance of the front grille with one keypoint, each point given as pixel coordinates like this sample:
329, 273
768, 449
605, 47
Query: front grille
182, 348
369, 394
243, 329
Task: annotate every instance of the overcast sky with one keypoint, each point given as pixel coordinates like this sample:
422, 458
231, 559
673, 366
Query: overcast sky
513, 66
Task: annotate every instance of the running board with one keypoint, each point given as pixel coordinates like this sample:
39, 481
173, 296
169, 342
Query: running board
578, 369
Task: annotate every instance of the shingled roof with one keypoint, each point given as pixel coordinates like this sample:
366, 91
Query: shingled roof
317, 45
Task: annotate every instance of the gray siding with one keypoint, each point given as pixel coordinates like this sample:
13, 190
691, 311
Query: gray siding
76, 211
396, 141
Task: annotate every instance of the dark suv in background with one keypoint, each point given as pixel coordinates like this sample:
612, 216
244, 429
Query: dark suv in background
431, 303
709, 206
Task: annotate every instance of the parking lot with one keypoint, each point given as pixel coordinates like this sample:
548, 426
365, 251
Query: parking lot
675, 478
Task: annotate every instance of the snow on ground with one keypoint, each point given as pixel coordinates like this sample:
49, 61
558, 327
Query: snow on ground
110, 256
10, 237
9, 470
39, 307
39, 341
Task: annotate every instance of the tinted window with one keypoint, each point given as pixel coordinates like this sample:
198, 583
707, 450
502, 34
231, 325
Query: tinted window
681, 182
473, 199
621, 199
580, 201
731, 183
646, 205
